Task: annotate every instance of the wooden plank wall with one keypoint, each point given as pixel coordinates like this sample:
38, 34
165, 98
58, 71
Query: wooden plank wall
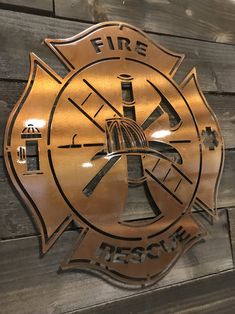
204, 279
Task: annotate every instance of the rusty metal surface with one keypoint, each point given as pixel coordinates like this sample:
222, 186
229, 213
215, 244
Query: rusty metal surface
117, 125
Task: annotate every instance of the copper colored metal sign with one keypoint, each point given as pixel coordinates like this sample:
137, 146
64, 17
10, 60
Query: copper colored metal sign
118, 147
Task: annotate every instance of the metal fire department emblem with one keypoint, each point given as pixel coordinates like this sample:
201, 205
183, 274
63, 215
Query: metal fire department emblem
118, 147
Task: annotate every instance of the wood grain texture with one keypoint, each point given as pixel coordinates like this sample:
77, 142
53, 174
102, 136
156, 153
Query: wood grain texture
215, 63
10, 92
16, 220
43, 5
224, 109
208, 20
214, 294
28, 282
231, 220
226, 195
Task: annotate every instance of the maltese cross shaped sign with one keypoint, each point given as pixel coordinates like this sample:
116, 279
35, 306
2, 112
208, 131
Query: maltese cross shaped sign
119, 148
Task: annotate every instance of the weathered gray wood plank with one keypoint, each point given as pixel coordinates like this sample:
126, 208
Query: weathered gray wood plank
224, 109
214, 294
226, 195
22, 33
208, 20
28, 282
10, 92
43, 5
15, 220
231, 218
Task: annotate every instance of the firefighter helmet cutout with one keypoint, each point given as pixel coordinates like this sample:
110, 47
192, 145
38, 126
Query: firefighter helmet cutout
118, 147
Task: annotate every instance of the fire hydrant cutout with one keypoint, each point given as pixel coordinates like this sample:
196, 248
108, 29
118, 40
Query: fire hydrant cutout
119, 148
